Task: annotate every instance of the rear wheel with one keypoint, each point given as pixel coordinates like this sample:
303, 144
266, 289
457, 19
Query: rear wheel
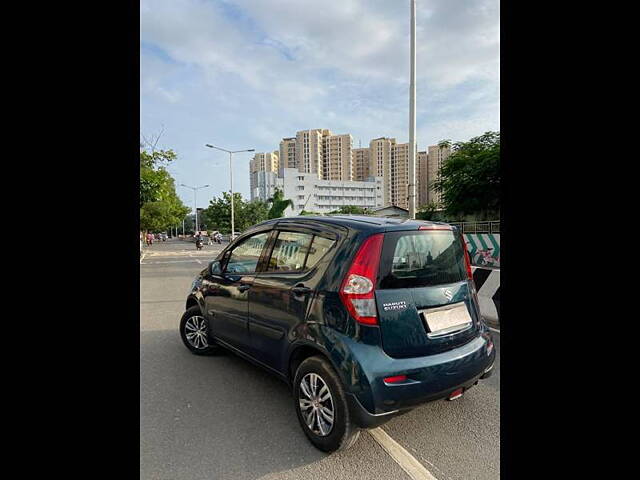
194, 330
321, 406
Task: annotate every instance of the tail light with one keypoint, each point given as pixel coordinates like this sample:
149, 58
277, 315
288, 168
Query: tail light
357, 290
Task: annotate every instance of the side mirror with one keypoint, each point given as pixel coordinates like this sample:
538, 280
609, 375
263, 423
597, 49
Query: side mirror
215, 268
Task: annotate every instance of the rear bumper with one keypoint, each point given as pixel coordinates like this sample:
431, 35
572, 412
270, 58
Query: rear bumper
429, 378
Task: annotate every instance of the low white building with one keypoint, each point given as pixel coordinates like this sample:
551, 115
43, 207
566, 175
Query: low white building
310, 193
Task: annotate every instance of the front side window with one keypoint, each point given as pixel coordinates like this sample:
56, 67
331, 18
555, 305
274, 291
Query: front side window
244, 258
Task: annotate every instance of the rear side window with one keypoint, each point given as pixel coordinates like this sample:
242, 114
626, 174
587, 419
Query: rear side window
289, 252
421, 259
297, 251
319, 247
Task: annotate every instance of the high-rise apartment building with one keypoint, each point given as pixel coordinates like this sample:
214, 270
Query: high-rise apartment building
287, 155
380, 163
361, 164
390, 160
422, 171
437, 156
399, 180
309, 150
320, 154
263, 171
337, 160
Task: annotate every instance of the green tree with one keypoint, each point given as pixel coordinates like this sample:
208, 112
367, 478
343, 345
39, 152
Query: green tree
160, 206
427, 212
470, 179
349, 210
278, 204
253, 213
217, 216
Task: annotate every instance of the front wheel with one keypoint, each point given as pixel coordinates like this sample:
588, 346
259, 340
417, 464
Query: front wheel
321, 406
194, 330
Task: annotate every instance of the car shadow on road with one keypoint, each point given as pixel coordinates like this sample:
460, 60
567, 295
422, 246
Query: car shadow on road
213, 417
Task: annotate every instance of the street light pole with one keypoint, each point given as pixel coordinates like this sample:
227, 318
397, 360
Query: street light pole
233, 230
195, 203
412, 117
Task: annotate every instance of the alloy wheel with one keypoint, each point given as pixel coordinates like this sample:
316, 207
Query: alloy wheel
316, 404
196, 332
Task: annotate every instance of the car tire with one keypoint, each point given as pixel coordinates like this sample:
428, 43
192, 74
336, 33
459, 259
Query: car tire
194, 332
310, 408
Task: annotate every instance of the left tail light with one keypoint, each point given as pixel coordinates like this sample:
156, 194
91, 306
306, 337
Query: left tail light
357, 291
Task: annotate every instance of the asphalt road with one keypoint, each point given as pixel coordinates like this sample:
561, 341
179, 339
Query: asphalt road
221, 417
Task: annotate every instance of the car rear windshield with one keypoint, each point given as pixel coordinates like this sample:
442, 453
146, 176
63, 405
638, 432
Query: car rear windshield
421, 259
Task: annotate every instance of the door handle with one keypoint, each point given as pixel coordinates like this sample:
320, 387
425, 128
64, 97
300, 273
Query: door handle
301, 290
244, 288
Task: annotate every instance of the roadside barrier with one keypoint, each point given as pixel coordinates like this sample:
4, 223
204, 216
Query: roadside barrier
487, 282
484, 249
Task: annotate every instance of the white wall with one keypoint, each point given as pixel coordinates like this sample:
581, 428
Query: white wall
327, 195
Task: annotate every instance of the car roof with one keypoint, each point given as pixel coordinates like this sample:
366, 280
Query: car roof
357, 222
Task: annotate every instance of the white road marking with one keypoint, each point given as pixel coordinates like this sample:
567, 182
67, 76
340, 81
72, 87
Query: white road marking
144, 254
196, 258
402, 457
493, 329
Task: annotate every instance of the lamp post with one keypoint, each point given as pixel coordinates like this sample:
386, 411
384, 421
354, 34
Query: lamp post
231, 179
195, 203
412, 117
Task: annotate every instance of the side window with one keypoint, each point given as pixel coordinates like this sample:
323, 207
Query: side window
289, 252
319, 247
244, 258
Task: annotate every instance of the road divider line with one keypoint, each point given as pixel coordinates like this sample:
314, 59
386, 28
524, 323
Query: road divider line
402, 457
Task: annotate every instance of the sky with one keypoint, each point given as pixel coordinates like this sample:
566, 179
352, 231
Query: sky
243, 74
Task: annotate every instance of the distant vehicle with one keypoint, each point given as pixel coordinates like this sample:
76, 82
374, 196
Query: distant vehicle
163, 237
364, 317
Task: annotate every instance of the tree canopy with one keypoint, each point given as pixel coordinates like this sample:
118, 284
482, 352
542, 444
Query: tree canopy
217, 216
470, 178
349, 210
278, 204
160, 206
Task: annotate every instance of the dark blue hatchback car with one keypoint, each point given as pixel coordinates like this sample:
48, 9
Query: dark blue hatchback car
364, 317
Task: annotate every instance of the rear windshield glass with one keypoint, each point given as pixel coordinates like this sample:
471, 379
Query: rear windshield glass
420, 259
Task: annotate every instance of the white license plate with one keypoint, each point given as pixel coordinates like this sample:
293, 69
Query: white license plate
445, 320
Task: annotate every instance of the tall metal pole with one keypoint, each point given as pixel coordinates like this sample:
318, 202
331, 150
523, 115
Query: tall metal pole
183, 227
233, 230
195, 203
195, 207
412, 117
231, 181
